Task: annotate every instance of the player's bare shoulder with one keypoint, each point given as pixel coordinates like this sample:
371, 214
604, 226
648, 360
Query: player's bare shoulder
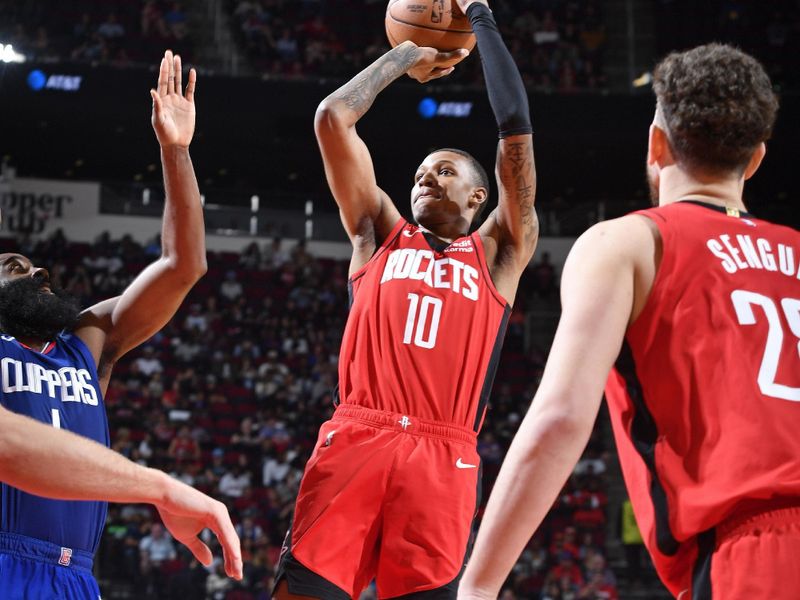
631, 244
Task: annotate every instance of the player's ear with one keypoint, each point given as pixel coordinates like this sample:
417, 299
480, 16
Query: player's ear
478, 196
659, 151
654, 144
755, 160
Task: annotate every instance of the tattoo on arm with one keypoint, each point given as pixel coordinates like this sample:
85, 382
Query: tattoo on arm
518, 177
359, 93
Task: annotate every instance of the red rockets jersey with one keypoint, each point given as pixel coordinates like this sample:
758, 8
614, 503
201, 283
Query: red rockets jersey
705, 395
425, 329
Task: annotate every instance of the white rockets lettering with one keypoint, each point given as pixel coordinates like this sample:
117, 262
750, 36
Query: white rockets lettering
67, 383
743, 252
448, 273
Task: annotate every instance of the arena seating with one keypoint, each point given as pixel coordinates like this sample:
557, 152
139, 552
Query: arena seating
558, 44
229, 397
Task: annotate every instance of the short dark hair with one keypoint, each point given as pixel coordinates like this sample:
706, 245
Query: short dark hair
479, 176
718, 105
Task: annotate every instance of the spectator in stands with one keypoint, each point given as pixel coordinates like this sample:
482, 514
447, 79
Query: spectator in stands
592, 463
250, 532
217, 585
149, 364
250, 257
231, 289
236, 480
246, 438
287, 47
123, 443
544, 275
196, 319
276, 464
176, 21
111, 28
144, 451
155, 549
183, 448
152, 20
275, 255
596, 588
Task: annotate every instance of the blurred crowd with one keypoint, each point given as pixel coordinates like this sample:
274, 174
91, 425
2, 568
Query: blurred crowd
558, 44
116, 33
768, 30
229, 396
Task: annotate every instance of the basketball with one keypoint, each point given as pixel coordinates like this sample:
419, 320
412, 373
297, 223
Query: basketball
438, 24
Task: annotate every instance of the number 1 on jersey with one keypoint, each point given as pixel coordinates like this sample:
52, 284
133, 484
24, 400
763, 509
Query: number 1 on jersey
56, 418
417, 324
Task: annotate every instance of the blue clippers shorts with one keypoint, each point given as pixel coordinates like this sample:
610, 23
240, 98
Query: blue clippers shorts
35, 570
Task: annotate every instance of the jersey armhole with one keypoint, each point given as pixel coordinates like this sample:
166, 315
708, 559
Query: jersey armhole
663, 269
398, 227
481, 255
75, 342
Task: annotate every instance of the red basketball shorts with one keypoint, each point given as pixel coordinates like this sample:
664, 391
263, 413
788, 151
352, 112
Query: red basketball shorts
387, 497
754, 558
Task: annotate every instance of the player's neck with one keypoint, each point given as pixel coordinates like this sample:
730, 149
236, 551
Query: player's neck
677, 185
446, 233
34, 343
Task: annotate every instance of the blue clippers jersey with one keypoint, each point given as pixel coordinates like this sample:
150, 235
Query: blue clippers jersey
60, 388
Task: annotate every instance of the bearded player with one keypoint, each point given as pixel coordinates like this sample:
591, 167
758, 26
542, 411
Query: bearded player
392, 486
57, 361
696, 307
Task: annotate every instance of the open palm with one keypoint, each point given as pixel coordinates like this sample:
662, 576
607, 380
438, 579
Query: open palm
173, 112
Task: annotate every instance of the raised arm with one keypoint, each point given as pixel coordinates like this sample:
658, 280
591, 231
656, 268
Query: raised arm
86, 470
367, 212
113, 327
511, 231
602, 287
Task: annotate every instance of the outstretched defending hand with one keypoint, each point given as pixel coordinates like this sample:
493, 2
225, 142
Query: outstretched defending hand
431, 64
186, 512
173, 113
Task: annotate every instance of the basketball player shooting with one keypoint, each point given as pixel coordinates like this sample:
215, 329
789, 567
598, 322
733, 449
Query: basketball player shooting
695, 305
56, 364
392, 486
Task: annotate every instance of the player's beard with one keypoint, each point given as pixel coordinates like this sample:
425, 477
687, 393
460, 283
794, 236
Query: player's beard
28, 312
652, 183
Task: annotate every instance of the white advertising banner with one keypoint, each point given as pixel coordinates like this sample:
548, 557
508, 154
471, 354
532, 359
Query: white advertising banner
39, 206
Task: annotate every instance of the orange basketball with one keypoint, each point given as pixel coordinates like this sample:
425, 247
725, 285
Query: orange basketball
439, 24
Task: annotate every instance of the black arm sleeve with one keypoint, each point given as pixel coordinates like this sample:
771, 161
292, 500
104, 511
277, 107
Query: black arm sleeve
503, 81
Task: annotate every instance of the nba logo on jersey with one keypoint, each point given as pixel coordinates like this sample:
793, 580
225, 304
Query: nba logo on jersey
66, 556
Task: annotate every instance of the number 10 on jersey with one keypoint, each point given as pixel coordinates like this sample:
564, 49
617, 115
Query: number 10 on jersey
422, 322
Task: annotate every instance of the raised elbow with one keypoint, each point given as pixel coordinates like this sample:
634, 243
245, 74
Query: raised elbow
193, 268
200, 267
188, 270
329, 117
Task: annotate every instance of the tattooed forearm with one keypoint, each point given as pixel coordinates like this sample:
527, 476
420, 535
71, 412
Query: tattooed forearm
359, 93
525, 194
517, 154
518, 180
